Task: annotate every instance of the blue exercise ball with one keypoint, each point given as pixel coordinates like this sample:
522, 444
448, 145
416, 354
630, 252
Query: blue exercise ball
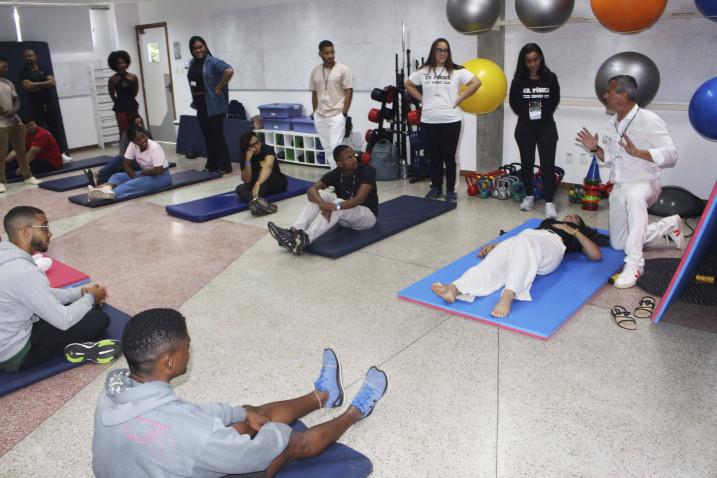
703, 109
544, 16
708, 8
472, 16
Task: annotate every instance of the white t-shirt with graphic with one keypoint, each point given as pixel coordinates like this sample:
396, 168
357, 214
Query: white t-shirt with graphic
440, 92
150, 158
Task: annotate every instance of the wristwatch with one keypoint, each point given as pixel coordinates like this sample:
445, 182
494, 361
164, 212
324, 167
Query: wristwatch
338, 205
595, 150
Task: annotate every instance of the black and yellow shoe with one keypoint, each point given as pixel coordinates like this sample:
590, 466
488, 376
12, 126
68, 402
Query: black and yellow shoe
104, 351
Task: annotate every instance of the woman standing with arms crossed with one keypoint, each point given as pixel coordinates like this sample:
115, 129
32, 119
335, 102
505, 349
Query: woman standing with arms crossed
534, 95
123, 88
208, 79
441, 119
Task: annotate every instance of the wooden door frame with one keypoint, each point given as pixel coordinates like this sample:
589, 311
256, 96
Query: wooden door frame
139, 30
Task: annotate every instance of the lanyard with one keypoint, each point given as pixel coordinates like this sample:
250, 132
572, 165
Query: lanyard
326, 78
626, 126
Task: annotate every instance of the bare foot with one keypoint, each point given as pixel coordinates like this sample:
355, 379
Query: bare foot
502, 308
447, 292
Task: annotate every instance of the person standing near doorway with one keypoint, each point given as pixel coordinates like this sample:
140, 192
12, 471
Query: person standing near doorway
123, 88
331, 86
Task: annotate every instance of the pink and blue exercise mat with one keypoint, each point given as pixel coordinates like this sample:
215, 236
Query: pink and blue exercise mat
556, 296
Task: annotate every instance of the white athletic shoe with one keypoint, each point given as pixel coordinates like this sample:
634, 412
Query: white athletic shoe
551, 210
2, 188
676, 234
527, 203
105, 192
32, 181
628, 277
66, 158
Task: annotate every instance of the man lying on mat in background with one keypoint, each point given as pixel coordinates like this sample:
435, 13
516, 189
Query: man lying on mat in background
143, 429
355, 204
35, 325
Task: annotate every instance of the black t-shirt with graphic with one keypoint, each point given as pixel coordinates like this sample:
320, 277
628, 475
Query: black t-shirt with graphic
347, 187
37, 76
534, 101
255, 164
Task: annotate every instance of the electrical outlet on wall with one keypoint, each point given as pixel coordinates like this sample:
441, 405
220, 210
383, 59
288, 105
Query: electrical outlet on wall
583, 158
568, 158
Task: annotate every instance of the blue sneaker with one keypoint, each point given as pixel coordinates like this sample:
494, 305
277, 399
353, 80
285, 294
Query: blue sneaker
373, 388
330, 380
451, 196
434, 193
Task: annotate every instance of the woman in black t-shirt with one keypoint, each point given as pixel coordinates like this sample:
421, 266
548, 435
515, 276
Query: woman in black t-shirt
123, 88
515, 262
534, 95
261, 174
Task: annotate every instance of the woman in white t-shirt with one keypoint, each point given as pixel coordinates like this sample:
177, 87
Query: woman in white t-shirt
441, 118
153, 175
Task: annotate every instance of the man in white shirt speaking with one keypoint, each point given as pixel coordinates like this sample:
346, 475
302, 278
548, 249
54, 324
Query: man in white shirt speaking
636, 146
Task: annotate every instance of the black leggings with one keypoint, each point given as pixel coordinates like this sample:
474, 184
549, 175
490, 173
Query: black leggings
546, 137
274, 185
441, 140
48, 342
213, 131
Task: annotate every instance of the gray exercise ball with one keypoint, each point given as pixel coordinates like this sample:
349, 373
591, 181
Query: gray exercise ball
544, 16
472, 16
634, 64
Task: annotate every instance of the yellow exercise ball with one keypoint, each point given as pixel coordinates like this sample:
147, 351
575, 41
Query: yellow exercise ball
492, 90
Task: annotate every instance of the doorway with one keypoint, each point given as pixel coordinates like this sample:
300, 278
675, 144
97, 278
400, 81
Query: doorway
157, 83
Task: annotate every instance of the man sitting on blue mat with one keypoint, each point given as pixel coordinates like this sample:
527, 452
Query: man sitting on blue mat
260, 173
154, 173
35, 325
159, 434
355, 204
515, 262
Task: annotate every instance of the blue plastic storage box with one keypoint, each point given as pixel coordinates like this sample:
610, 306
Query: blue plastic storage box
280, 124
280, 110
303, 124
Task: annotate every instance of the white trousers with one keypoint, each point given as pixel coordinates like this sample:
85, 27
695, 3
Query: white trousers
513, 264
314, 224
331, 132
628, 219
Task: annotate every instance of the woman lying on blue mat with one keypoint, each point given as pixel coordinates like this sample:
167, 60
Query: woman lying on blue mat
153, 175
260, 173
514, 262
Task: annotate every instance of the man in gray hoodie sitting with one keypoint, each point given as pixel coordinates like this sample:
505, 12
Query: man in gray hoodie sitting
35, 322
143, 429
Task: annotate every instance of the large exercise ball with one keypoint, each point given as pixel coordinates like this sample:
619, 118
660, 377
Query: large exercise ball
708, 8
544, 16
634, 64
703, 109
472, 16
628, 16
493, 87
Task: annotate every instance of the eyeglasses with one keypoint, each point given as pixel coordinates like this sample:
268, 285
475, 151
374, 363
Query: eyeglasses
442, 50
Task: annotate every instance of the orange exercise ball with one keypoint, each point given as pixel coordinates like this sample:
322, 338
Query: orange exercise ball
628, 16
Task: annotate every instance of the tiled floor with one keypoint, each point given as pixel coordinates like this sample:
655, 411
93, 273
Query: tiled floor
465, 399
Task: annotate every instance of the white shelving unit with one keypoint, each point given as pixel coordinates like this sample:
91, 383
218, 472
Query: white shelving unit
294, 147
107, 131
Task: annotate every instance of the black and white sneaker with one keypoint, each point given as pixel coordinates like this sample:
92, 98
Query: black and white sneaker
284, 237
301, 241
104, 351
90, 177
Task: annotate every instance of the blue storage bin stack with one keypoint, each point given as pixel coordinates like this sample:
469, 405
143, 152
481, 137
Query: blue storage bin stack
303, 124
277, 116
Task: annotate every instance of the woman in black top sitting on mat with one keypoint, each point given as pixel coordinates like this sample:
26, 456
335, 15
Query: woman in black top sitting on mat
123, 88
514, 262
260, 173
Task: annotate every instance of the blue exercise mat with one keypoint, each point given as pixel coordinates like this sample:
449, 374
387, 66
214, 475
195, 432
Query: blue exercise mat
68, 167
221, 205
704, 238
11, 381
183, 178
556, 296
394, 216
72, 182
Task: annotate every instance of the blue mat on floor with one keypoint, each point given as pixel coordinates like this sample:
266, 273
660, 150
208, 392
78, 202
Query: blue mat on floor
394, 216
72, 182
221, 205
184, 178
9, 382
556, 296
68, 167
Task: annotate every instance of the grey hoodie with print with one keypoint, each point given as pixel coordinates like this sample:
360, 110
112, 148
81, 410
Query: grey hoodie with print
144, 429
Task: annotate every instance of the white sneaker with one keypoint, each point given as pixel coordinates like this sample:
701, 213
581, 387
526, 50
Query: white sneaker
628, 277
66, 158
32, 181
2, 188
527, 203
551, 210
676, 234
105, 192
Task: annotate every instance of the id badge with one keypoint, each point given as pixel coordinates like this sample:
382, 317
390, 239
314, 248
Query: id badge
192, 83
535, 110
